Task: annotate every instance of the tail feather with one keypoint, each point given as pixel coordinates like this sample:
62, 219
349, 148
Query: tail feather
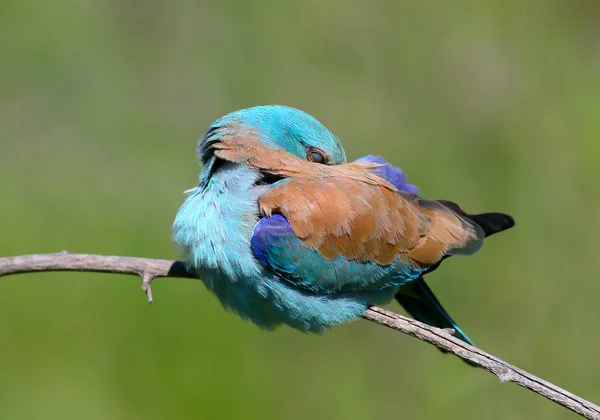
420, 302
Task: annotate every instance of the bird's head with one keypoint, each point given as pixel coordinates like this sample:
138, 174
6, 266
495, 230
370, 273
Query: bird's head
270, 138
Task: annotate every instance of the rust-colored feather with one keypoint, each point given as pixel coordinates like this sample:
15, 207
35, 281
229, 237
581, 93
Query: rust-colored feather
364, 230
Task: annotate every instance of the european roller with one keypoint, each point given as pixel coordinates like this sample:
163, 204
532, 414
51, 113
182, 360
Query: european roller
284, 231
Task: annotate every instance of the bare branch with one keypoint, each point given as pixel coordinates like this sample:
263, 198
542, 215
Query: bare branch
149, 269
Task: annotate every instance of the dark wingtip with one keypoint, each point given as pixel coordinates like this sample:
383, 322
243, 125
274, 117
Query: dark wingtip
493, 222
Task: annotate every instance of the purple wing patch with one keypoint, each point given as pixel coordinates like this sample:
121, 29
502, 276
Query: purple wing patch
391, 174
267, 230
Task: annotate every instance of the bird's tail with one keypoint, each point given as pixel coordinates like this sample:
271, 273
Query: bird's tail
420, 302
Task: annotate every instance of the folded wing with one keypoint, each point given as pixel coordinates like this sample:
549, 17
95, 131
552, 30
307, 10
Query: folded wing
366, 222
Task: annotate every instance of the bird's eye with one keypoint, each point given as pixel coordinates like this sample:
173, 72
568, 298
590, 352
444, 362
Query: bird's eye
316, 156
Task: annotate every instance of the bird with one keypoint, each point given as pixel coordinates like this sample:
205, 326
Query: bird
284, 231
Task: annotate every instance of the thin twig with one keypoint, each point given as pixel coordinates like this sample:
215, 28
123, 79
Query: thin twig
149, 269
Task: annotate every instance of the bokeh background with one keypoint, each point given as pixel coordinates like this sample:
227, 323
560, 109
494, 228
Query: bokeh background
495, 105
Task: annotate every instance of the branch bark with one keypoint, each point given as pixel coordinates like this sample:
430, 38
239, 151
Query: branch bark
148, 269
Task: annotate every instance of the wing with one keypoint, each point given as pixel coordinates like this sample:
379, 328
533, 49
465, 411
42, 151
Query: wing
355, 232
393, 175
276, 245
365, 221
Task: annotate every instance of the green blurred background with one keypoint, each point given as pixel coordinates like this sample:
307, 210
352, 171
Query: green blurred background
495, 105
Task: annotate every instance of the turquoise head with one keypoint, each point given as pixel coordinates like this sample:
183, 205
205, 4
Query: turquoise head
290, 129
